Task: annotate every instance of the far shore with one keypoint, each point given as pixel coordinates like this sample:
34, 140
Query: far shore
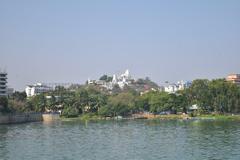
24, 118
90, 117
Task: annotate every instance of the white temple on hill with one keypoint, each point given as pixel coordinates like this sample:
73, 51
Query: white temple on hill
120, 80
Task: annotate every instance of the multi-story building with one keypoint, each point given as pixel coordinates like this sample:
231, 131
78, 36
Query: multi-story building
32, 90
234, 78
3, 84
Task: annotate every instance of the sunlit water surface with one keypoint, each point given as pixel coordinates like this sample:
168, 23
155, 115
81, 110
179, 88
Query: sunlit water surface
122, 140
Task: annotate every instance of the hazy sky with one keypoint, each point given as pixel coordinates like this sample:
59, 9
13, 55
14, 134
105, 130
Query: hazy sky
71, 40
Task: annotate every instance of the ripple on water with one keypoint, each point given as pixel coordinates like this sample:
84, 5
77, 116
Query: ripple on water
128, 140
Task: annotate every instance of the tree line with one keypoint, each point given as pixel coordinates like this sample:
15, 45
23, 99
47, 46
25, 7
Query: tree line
211, 96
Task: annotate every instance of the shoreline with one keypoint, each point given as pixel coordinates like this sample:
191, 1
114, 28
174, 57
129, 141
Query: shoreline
155, 117
27, 118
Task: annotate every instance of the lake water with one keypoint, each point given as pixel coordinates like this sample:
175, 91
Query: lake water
122, 140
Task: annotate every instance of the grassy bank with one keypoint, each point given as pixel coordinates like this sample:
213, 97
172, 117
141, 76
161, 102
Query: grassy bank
84, 117
219, 117
94, 117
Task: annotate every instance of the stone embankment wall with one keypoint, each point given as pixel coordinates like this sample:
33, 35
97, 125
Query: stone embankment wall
50, 117
27, 117
20, 118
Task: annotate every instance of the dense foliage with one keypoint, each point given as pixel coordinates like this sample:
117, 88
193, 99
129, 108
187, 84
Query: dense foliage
4, 105
106, 78
211, 96
214, 96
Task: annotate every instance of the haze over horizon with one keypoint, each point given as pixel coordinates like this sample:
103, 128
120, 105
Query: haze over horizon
71, 41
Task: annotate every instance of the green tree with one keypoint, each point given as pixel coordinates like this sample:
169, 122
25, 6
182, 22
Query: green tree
69, 111
51, 103
225, 96
199, 94
119, 105
159, 102
4, 105
19, 96
142, 103
106, 78
39, 103
29, 106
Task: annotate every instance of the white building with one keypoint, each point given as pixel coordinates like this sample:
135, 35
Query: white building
121, 81
172, 88
32, 90
3, 84
181, 85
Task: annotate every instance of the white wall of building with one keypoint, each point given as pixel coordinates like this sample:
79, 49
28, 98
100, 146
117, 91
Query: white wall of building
173, 88
32, 90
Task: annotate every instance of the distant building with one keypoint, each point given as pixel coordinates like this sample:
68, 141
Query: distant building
91, 81
181, 85
10, 92
32, 90
234, 78
38, 88
121, 81
172, 88
3, 84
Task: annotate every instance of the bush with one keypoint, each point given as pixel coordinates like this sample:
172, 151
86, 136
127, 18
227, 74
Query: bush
105, 111
4, 105
70, 112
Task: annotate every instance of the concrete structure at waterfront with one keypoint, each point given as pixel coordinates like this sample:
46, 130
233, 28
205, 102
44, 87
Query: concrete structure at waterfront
20, 118
3, 83
234, 78
28, 117
32, 90
181, 85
